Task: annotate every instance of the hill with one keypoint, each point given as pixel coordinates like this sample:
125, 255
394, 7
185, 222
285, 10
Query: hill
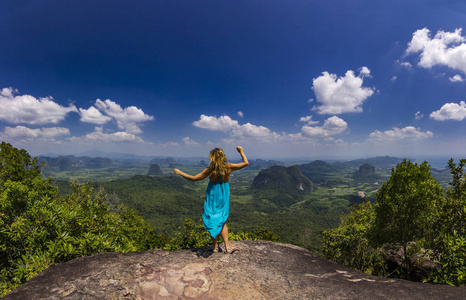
66, 163
163, 201
284, 178
318, 171
257, 270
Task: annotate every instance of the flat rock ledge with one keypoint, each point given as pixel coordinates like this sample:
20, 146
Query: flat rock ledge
257, 270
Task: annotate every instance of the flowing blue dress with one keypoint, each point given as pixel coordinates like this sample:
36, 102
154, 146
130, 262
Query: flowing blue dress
216, 206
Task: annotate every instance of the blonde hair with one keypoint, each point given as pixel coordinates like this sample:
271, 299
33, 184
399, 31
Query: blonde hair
218, 162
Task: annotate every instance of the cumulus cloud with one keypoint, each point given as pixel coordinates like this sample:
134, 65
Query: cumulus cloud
100, 136
30, 110
93, 115
223, 123
456, 78
364, 72
245, 131
337, 95
127, 118
308, 120
450, 111
249, 130
190, 142
444, 49
332, 126
23, 132
240, 114
407, 133
418, 115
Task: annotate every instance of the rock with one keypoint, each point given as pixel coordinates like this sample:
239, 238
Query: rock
154, 170
257, 270
283, 178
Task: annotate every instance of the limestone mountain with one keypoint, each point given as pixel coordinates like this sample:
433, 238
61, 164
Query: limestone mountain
154, 170
285, 178
366, 171
317, 171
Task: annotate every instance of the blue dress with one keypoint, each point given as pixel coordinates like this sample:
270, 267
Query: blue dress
216, 206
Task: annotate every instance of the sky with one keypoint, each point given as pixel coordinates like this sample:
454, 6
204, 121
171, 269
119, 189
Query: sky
283, 79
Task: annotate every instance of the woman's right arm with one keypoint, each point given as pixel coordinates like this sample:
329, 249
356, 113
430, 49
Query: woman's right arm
240, 165
197, 177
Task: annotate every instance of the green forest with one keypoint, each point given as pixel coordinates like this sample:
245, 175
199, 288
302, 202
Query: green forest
363, 214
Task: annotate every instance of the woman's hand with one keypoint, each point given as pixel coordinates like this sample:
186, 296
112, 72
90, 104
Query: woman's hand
176, 171
240, 149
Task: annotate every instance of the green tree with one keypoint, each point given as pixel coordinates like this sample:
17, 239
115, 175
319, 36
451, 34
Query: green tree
450, 245
38, 228
406, 208
349, 244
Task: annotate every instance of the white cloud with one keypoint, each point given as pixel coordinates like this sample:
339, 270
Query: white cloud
30, 110
93, 115
308, 120
237, 131
190, 142
240, 114
126, 118
364, 72
418, 115
456, 78
22, 132
99, 136
450, 111
405, 64
332, 126
343, 94
169, 144
444, 49
407, 133
224, 123
249, 130
394, 78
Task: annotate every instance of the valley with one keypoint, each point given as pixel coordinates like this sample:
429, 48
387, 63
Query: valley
297, 202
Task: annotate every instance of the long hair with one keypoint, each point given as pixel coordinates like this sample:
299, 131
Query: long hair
218, 162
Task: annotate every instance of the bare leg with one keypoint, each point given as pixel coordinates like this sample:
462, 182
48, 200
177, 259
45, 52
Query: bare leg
214, 241
224, 234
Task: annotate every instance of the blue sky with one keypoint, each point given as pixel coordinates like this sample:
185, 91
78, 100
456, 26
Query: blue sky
284, 79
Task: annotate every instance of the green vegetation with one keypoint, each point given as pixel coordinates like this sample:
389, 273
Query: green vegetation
413, 214
42, 224
406, 207
38, 228
45, 222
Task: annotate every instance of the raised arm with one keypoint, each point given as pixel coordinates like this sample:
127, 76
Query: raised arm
197, 177
240, 165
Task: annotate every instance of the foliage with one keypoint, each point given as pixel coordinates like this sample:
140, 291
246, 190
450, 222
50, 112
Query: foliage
450, 248
452, 260
349, 244
453, 209
193, 235
163, 201
406, 207
38, 228
411, 211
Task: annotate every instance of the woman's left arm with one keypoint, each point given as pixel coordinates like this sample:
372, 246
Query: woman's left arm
197, 177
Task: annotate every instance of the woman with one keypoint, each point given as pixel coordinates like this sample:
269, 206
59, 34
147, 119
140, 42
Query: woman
217, 199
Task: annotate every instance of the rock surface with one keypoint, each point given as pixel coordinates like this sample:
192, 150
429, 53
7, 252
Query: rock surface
257, 270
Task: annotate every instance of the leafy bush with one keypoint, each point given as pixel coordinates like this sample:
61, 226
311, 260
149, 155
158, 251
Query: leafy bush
349, 244
193, 235
452, 260
38, 228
